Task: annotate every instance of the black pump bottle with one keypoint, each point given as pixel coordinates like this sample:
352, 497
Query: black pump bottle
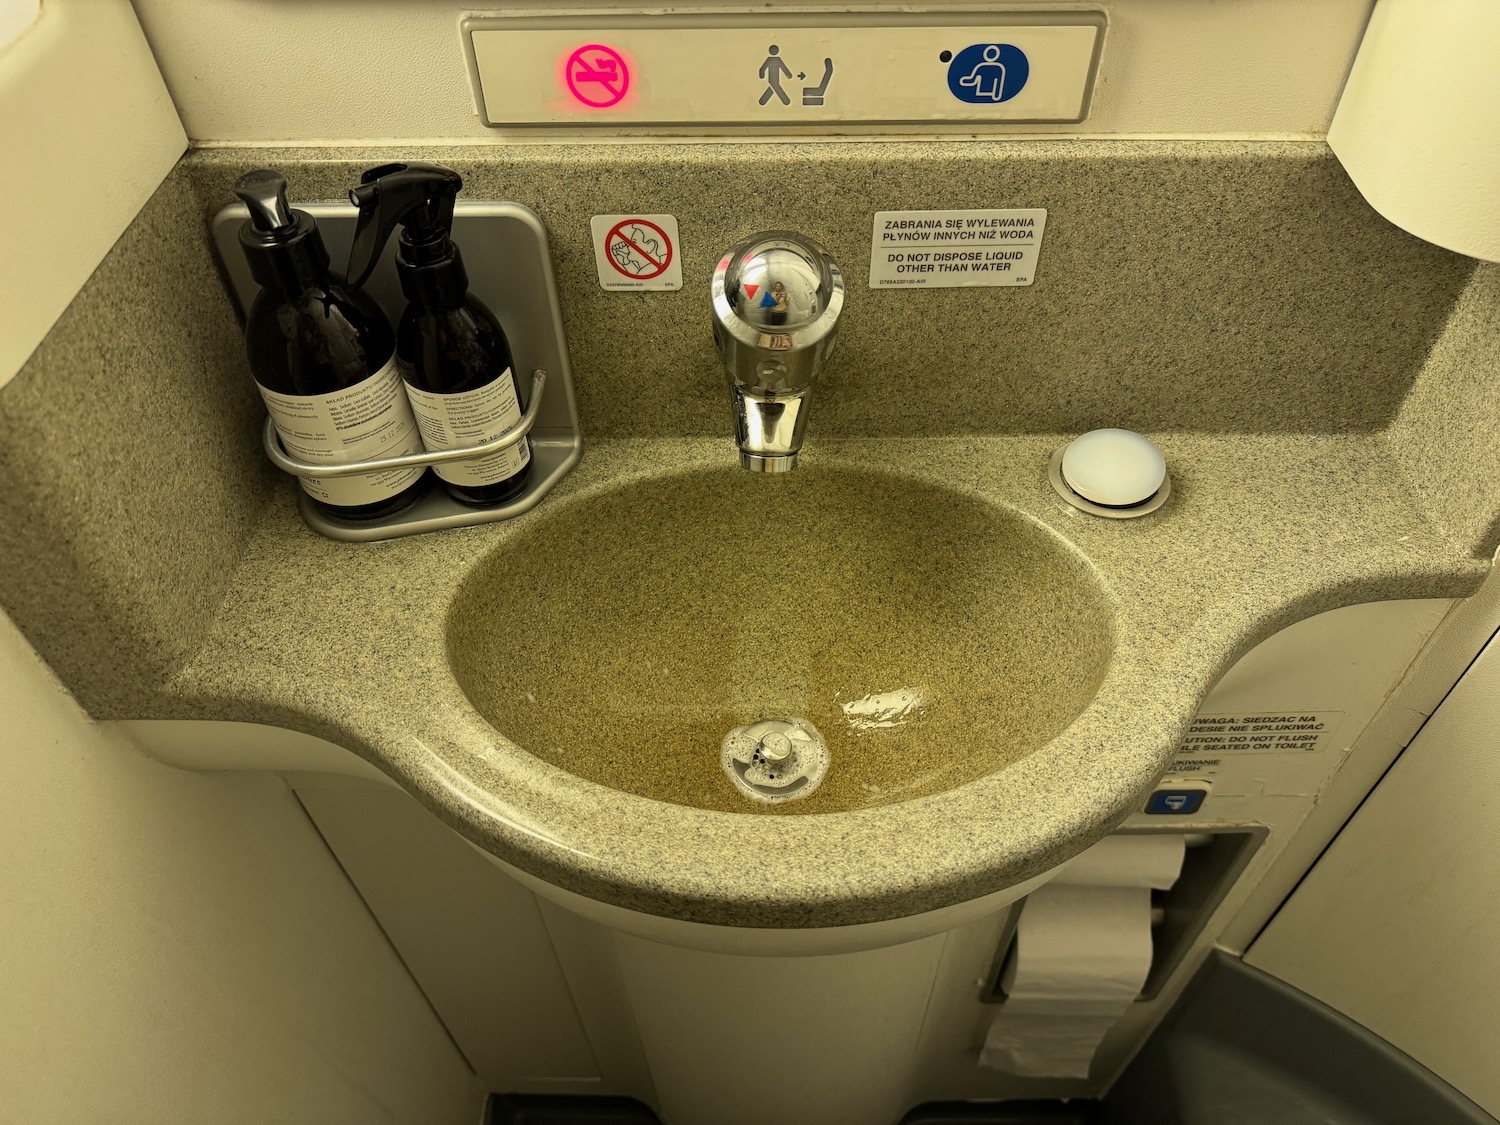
322, 356
450, 348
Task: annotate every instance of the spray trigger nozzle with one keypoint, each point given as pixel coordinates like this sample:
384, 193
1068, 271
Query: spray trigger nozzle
415, 196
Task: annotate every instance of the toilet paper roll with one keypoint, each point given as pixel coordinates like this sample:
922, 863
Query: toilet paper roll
1081, 957
1080, 944
1146, 860
1418, 125
1082, 954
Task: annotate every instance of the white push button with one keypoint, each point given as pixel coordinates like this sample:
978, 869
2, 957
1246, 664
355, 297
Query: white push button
1115, 468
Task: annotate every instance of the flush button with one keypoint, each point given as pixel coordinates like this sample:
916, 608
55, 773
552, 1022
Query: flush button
1176, 802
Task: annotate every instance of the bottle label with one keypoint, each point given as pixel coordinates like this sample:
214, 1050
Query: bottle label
473, 418
359, 423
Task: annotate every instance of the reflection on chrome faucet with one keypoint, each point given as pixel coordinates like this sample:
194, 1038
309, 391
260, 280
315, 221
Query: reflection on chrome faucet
777, 298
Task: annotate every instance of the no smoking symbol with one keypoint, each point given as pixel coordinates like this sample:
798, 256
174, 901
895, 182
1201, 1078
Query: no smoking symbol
597, 76
638, 249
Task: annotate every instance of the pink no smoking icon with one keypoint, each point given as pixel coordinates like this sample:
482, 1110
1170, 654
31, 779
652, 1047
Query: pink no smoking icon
597, 76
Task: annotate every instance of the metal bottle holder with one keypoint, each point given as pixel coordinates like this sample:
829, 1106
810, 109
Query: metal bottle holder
510, 270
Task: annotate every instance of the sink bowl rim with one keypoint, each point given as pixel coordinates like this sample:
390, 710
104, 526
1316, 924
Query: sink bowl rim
688, 878
1103, 608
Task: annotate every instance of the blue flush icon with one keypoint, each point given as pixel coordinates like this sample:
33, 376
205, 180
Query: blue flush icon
988, 73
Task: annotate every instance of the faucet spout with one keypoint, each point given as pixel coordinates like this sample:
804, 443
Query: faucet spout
769, 429
777, 297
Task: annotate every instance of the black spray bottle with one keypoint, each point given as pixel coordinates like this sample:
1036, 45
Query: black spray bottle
323, 356
449, 346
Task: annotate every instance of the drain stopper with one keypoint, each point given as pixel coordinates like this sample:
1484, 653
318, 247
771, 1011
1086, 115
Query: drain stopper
775, 760
775, 747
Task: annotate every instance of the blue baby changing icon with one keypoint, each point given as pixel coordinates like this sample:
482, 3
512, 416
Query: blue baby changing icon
988, 73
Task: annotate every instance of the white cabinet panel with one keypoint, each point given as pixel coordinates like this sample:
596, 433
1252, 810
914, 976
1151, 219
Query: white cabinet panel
472, 937
737, 1040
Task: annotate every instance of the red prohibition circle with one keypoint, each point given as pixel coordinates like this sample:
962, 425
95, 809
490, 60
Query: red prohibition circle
597, 76
618, 231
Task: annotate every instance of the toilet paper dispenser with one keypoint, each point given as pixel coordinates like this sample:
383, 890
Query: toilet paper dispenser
1212, 861
1083, 948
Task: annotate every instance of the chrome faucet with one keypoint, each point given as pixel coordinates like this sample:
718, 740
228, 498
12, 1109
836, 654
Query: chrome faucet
777, 298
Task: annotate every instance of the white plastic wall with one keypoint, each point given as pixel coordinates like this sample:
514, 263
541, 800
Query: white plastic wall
1398, 924
88, 132
15, 17
1418, 126
183, 948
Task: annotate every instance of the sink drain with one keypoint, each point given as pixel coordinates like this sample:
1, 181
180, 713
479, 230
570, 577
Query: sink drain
775, 760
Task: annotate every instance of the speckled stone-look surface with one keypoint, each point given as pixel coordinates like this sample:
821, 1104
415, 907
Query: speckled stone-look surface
1205, 286
131, 476
1447, 435
351, 643
1238, 302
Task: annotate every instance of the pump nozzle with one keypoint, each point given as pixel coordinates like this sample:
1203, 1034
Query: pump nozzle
417, 197
264, 192
282, 246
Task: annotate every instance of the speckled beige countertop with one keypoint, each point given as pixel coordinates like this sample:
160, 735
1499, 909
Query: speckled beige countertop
1324, 385
349, 642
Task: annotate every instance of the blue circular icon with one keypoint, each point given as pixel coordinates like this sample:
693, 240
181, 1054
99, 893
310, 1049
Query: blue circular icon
988, 73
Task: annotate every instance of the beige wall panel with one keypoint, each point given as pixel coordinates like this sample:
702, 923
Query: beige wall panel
1398, 924
182, 948
88, 131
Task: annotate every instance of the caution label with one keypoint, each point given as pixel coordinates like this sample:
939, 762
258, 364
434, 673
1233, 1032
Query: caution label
1269, 732
948, 249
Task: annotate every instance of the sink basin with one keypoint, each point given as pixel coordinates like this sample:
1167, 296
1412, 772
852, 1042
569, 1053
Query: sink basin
932, 638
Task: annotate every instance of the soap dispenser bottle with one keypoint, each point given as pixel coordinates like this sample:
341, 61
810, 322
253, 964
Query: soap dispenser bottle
323, 356
451, 350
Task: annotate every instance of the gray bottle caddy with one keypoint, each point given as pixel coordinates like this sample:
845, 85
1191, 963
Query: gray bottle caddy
510, 270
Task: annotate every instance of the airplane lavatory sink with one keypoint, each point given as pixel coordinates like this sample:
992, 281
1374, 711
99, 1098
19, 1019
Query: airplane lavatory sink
625, 695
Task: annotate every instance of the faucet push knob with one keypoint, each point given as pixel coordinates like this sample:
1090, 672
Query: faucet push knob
777, 297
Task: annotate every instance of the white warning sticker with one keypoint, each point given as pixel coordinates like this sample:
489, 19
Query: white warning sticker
637, 252
947, 249
1267, 732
